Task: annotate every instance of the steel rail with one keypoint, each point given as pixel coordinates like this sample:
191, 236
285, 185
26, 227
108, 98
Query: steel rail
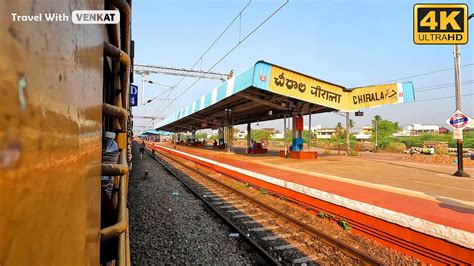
267, 256
351, 252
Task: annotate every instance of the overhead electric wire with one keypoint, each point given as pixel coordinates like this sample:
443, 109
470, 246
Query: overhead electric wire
431, 88
438, 85
170, 88
163, 92
228, 26
424, 74
159, 84
208, 48
230, 51
440, 98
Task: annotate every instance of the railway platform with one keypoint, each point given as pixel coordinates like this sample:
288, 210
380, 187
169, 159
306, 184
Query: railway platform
418, 208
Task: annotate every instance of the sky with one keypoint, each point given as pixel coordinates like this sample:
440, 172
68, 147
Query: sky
351, 43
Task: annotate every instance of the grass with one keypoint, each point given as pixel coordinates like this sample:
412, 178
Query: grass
344, 224
322, 215
353, 152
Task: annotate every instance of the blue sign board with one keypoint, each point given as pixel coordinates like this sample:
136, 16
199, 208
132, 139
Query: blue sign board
133, 95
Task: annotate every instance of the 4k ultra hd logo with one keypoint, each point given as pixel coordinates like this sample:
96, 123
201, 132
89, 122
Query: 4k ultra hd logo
440, 24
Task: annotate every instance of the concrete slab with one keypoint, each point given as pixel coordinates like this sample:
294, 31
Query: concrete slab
423, 181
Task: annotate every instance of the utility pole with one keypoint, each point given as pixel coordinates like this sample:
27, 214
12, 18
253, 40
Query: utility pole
347, 134
284, 135
376, 134
457, 81
310, 130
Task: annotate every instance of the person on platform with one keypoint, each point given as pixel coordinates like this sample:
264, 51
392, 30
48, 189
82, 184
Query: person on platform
142, 149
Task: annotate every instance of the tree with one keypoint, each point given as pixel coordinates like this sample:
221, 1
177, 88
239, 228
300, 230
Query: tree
339, 129
376, 119
201, 135
351, 123
259, 134
384, 130
397, 125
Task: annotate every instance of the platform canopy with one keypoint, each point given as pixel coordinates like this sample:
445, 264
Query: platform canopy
267, 92
155, 132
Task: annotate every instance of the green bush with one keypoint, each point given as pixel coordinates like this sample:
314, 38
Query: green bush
417, 141
395, 147
322, 215
344, 224
201, 135
353, 152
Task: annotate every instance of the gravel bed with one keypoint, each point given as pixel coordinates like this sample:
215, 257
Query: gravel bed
169, 225
285, 256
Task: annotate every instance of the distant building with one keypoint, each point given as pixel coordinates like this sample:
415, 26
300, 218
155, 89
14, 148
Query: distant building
443, 130
362, 137
470, 126
271, 130
278, 135
313, 129
367, 130
417, 129
241, 134
325, 133
274, 134
365, 133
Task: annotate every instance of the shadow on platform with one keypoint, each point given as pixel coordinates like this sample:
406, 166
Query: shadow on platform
452, 204
412, 167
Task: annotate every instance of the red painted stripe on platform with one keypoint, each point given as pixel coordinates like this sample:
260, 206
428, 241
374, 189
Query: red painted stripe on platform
421, 208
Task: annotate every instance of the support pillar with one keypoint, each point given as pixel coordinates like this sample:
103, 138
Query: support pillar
347, 134
228, 131
193, 135
220, 135
310, 130
175, 136
297, 144
293, 125
249, 135
285, 133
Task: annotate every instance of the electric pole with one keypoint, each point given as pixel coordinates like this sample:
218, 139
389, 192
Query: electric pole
347, 134
376, 134
457, 82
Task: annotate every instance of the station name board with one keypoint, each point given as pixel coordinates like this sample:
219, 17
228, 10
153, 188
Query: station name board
312, 90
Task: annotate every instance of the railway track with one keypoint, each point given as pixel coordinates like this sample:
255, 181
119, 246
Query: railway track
277, 236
